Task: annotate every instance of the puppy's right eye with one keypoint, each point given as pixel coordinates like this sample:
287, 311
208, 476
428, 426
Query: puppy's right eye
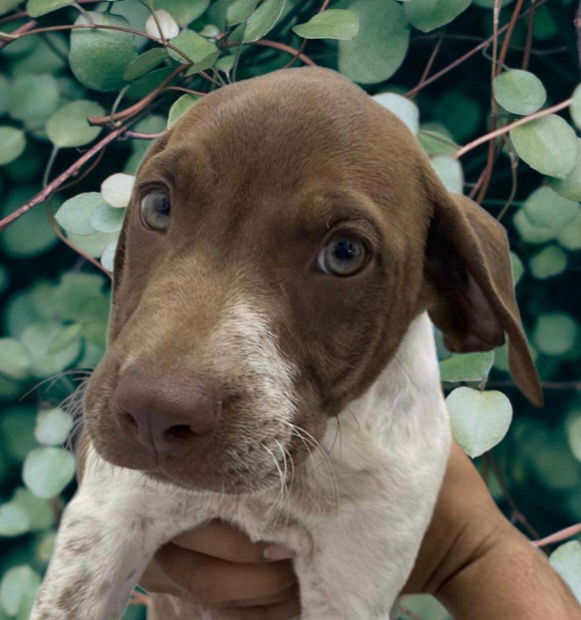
155, 210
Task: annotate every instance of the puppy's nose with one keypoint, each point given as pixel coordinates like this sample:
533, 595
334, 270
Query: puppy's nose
165, 413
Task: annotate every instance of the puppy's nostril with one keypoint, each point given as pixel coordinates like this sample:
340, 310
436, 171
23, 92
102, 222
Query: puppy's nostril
179, 432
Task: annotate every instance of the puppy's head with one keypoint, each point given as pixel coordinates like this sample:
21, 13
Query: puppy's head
279, 241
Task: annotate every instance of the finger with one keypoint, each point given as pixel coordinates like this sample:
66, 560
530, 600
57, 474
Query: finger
210, 580
223, 541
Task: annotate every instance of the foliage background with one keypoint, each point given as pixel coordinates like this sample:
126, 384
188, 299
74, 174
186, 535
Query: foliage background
54, 299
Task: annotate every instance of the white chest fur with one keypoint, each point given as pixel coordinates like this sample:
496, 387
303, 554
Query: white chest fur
354, 514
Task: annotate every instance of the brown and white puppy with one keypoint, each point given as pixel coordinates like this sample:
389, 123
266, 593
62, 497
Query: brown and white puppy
271, 361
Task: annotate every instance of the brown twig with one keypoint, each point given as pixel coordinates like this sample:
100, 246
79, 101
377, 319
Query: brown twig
464, 57
183, 89
513, 186
530, 32
276, 45
144, 136
563, 534
504, 130
429, 65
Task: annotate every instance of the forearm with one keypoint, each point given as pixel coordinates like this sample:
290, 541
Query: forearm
509, 580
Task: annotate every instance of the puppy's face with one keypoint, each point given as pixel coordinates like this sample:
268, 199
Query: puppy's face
271, 259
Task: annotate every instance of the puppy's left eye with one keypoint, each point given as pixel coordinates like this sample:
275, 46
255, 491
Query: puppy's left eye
156, 209
344, 255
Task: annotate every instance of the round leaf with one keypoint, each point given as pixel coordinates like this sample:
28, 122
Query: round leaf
574, 436
239, 11
69, 127
53, 427
36, 8
98, 58
566, 560
380, 45
519, 92
185, 11
570, 236
575, 107
106, 219
14, 520
18, 590
330, 24
13, 142
75, 213
466, 367
47, 471
162, 25
263, 19
144, 63
93, 245
546, 209
547, 144
479, 419
555, 333
549, 262
407, 111
33, 98
179, 106
38, 338
427, 15
116, 190
39, 511
193, 45
450, 172
570, 186
14, 360
108, 256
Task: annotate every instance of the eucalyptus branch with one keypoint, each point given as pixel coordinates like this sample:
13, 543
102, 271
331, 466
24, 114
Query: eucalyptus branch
504, 130
563, 534
283, 47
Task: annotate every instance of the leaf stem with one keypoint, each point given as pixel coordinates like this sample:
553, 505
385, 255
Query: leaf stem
563, 534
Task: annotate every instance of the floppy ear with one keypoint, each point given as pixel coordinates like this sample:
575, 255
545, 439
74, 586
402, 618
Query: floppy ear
472, 295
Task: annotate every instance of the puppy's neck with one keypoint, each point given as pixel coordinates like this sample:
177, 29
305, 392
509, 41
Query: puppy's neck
404, 402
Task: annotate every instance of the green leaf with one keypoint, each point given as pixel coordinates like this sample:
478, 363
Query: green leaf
407, 111
570, 236
466, 367
185, 11
179, 107
8, 5
574, 436
555, 333
436, 142
65, 338
18, 590
519, 92
427, 15
570, 186
381, 44
575, 107
239, 11
53, 426
13, 143
449, 170
108, 256
424, 606
14, 360
98, 58
566, 560
47, 471
547, 144
93, 245
69, 127
33, 98
263, 20
116, 190
550, 261
479, 419
516, 267
193, 45
79, 297
162, 25
14, 520
40, 513
546, 209
330, 24
37, 339
75, 213
144, 63
36, 8
108, 220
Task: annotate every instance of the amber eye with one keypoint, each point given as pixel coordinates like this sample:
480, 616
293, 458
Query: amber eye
156, 209
344, 255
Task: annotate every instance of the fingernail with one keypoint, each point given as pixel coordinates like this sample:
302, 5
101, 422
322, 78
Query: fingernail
277, 552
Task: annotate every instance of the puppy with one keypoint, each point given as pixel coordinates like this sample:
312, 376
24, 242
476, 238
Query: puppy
271, 359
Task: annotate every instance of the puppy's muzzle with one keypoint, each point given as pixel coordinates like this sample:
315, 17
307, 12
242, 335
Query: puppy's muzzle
166, 413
